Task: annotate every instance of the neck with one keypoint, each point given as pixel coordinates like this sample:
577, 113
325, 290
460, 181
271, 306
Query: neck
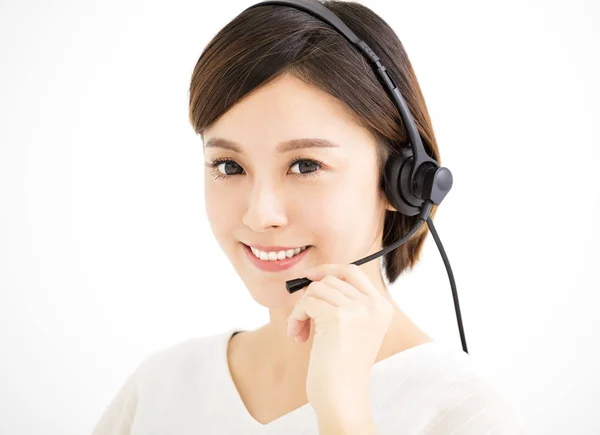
279, 359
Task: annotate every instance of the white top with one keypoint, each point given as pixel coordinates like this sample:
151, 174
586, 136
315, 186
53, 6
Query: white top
429, 389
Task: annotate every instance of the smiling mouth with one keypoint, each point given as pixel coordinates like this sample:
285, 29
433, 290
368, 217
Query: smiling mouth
276, 256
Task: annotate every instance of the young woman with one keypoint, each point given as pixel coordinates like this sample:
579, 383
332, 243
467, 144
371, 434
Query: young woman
296, 129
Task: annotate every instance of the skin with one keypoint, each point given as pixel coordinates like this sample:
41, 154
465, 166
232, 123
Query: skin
339, 211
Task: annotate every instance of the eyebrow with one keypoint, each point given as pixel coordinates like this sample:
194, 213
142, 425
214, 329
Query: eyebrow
286, 146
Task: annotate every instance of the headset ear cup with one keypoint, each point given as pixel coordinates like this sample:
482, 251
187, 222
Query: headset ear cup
396, 183
391, 182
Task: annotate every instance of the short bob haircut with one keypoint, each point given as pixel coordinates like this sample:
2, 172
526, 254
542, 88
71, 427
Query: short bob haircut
264, 42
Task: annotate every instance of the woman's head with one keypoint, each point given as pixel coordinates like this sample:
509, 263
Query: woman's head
274, 74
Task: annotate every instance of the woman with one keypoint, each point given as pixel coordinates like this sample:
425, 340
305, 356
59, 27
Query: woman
296, 129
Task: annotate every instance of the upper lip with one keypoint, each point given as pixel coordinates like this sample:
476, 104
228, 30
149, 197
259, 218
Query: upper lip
273, 248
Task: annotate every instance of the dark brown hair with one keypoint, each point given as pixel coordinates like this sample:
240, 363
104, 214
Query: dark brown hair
264, 42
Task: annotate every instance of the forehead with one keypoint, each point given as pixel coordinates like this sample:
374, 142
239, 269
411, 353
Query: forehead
285, 109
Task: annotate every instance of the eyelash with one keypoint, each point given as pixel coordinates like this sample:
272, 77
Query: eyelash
217, 175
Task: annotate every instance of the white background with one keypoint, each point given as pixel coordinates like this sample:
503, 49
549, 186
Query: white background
106, 254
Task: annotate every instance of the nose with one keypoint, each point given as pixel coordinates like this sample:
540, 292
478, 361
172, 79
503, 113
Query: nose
265, 207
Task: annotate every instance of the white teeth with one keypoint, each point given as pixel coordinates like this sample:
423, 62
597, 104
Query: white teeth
274, 256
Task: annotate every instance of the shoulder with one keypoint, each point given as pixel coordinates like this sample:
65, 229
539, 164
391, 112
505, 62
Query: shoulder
440, 390
179, 359
160, 378
470, 398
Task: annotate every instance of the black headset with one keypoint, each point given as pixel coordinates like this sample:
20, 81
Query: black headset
412, 181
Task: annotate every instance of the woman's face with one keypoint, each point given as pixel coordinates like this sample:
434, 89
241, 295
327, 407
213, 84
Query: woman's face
257, 196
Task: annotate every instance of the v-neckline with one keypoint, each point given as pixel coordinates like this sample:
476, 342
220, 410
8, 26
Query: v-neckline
379, 365
236, 394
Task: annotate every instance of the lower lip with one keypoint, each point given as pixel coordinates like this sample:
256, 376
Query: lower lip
277, 265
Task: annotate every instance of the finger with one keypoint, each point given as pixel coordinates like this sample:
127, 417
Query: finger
308, 308
349, 291
305, 332
350, 273
332, 294
296, 325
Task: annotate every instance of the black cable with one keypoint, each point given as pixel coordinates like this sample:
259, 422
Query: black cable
438, 242
424, 217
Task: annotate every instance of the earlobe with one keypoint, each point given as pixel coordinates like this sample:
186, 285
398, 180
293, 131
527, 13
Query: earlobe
385, 200
389, 206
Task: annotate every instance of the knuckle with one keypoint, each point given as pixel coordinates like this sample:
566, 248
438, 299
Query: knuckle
328, 279
359, 310
313, 288
353, 267
364, 310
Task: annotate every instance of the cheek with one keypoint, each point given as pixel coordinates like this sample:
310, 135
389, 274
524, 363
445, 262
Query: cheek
220, 211
211, 204
334, 210
350, 198
338, 213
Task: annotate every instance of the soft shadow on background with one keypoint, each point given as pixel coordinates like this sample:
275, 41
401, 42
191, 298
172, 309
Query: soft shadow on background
106, 254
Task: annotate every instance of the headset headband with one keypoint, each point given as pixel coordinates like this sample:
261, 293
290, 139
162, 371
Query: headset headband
322, 13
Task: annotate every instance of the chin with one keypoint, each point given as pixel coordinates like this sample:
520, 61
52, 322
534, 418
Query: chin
273, 297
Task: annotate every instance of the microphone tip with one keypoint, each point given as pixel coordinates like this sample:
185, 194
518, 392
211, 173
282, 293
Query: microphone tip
293, 285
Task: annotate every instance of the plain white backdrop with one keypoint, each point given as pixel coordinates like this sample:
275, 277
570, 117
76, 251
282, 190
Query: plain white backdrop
106, 254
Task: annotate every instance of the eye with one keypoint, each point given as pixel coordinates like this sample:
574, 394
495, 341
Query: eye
221, 162
302, 166
311, 163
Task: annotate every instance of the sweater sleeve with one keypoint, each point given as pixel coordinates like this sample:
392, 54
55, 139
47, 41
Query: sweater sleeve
475, 407
118, 416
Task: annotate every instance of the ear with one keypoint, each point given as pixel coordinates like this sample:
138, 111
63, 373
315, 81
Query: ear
388, 206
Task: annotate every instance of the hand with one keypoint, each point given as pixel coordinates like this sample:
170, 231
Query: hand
350, 318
